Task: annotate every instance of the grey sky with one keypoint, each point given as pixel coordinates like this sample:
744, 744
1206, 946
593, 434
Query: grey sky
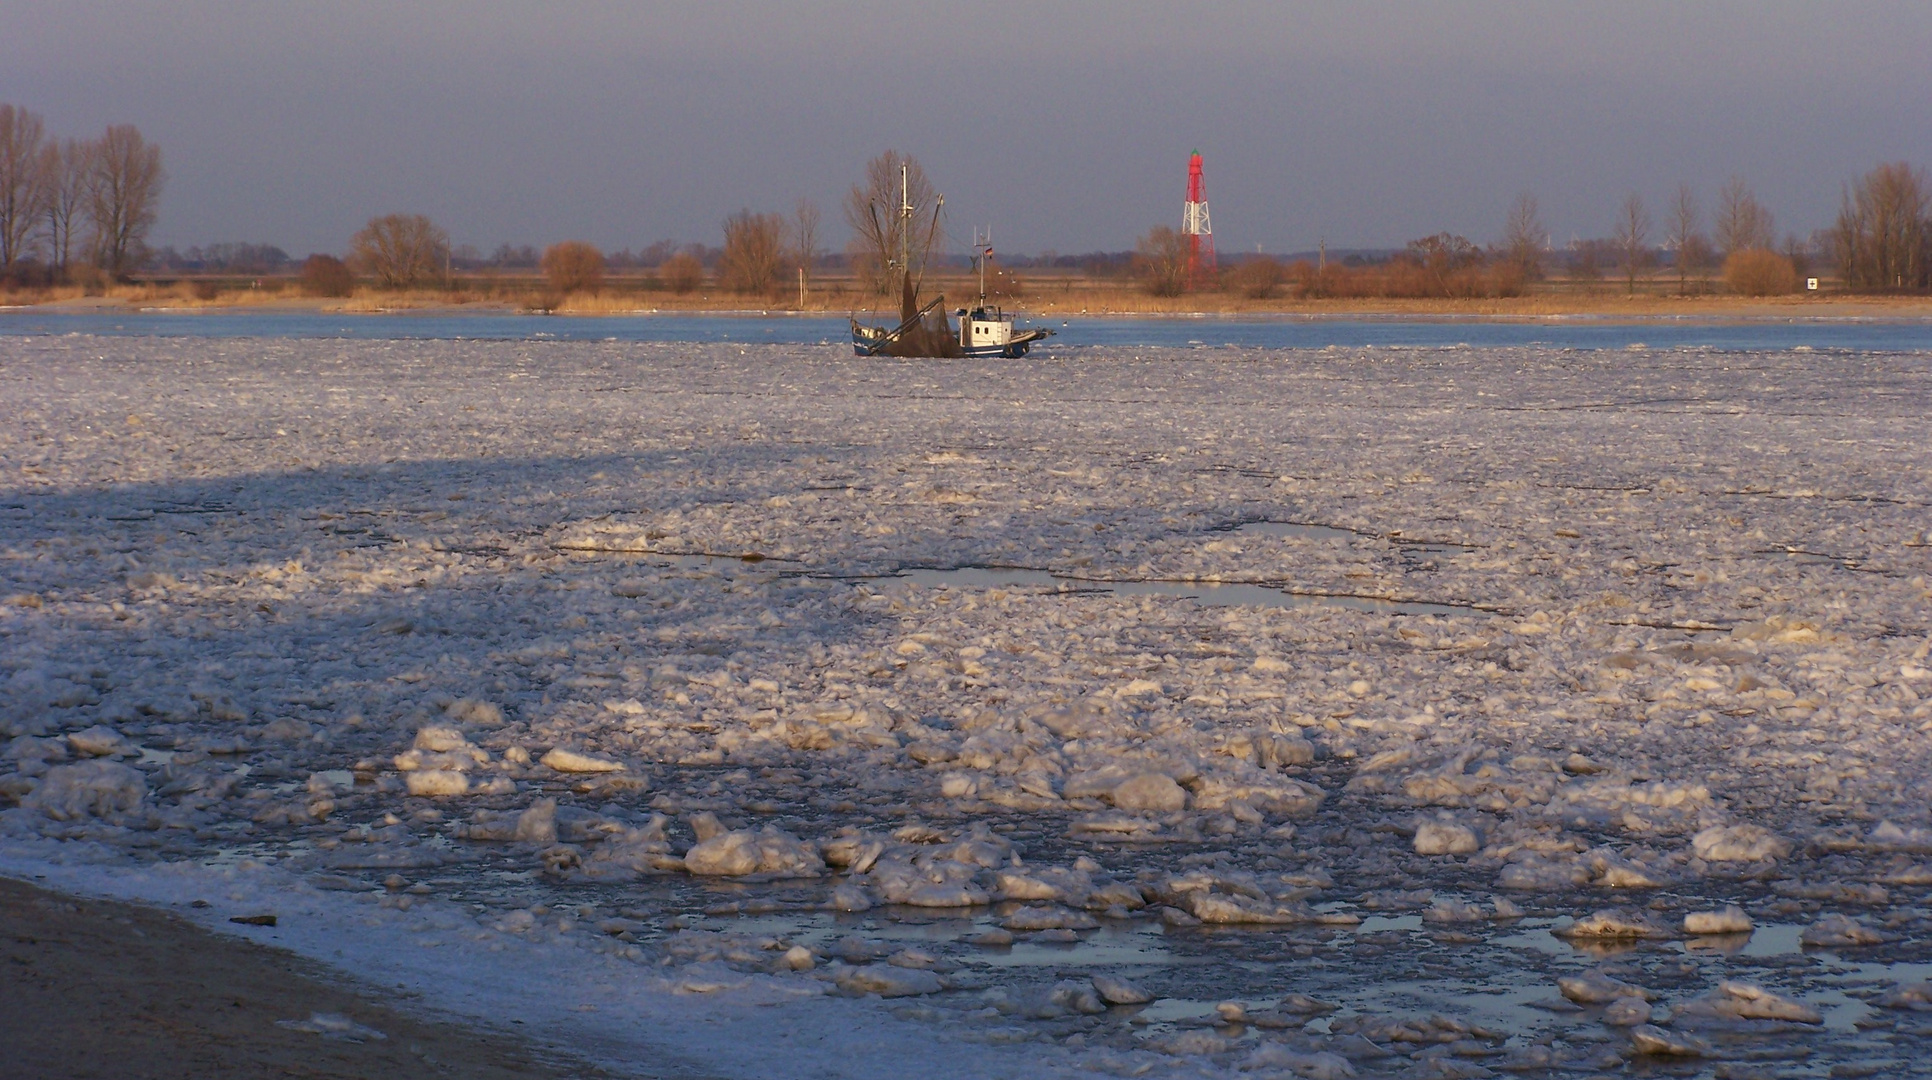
1066, 125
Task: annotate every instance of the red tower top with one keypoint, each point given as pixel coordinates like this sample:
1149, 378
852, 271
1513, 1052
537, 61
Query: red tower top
1195, 225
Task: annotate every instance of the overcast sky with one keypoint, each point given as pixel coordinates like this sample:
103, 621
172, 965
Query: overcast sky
1064, 125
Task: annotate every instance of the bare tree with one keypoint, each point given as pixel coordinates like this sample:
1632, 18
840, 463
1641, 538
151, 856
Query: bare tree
754, 248
1883, 236
573, 266
1742, 224
1161, 259
1684, 238
22, 183
1446, 261
66, 169
805, 236
124, 190
1633, 237
401, 250
872, 210
1523, 235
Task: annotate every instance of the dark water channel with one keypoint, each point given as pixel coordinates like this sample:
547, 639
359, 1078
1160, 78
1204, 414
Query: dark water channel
1072, 331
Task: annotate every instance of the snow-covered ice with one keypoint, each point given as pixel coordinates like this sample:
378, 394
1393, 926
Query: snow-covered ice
970, 718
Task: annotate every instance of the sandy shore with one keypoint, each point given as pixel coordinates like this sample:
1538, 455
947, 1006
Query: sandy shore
94, 988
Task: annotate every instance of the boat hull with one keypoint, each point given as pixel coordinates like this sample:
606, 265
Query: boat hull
871, 341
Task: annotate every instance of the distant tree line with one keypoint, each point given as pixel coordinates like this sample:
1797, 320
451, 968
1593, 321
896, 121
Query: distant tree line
73, 207
1881, 242
1883, 238
222, 259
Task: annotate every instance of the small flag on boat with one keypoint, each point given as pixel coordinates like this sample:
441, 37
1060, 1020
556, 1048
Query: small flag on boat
989, 252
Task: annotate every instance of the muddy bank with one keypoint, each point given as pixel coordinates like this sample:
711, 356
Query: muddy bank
101, 989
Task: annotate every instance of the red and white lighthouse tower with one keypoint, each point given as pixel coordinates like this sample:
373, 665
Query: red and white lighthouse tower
1196, 227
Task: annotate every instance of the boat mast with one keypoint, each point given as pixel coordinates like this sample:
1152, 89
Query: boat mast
981, 250
905, 223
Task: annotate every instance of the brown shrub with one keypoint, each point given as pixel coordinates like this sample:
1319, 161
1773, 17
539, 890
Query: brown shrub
1509, 278
573, 266
682, 273
93, 281
1757, 272
203, 289
326, 275
1257, 279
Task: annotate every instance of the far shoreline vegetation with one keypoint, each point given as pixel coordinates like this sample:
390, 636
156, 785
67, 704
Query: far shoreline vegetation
75, 217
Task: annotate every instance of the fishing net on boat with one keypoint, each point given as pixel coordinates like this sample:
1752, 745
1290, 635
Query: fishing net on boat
927, 335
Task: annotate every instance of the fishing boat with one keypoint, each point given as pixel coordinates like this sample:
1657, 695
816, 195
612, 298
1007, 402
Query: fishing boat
924, 329
988, 331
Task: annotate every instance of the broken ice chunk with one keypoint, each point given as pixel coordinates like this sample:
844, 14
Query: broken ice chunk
1251, 787
1841, 930
571, 761
889, 981
94, 788
1650, 1039
473, 711
850, 896
441, 739
1914, 997
1612, 924
1744, 1001
768, 851
1271, 750
1542, 871
1596, 988
1729, 920
1739, 843
1150, 792
797, 958
958, 786
535, 825
1885, 836
1446, 838
100, 741
1049, 918
437, 761
1119, 991
438, 782
1626, 1012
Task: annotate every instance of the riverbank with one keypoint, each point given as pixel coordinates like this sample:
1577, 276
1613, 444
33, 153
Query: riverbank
1051, 299
99, 988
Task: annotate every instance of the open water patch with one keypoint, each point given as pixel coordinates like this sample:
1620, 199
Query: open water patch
1208, 593
1212, 594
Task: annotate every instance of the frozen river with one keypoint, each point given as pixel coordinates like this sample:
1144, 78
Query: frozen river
745, 709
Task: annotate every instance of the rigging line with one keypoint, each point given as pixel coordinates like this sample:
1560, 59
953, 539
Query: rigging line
932, 234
